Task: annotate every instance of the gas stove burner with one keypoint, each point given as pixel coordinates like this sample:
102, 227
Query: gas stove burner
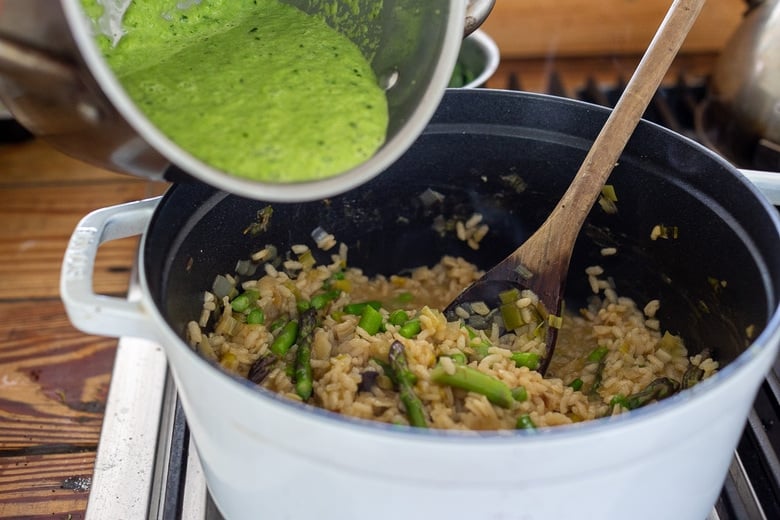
685, 108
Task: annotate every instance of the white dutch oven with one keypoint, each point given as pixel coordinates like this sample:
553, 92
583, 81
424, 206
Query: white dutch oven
266, 457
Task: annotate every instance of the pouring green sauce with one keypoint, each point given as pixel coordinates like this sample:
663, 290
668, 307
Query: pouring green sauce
257, 89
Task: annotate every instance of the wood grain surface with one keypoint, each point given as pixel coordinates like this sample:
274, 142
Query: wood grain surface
53, 378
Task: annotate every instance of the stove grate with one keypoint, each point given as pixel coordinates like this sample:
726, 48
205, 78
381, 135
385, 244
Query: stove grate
680, 106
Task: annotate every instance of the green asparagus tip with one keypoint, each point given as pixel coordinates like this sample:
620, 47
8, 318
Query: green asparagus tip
472, 380
526, 359
370, 320
524, 422
285, 339
415, 410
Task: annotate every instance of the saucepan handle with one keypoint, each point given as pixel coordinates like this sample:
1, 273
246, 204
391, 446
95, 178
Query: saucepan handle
476, 13
768, 183
95, 313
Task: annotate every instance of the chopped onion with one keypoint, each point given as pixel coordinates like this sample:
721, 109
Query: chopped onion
430, 197
319, 234
439, 224
323, 239
223, 286
555, 321
608, 191
524, 272
475, 219
607, 205
246, 267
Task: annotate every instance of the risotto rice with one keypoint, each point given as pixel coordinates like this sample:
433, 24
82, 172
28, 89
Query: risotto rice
403, 362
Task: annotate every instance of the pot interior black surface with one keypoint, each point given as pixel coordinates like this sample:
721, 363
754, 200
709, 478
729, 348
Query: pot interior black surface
510, 156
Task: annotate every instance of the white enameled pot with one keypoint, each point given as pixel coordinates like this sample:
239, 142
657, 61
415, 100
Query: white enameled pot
615, 469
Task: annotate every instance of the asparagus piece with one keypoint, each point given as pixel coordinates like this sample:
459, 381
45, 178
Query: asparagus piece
370, 320
406, 378
319, 301
519, 394
526, 359
524, 422
285, 339
692, 376
410, 329
459, 358
358, 308
244, 300
398, 317
655, 391
390, 373
261, 368
303, 377
473, 380
597, 379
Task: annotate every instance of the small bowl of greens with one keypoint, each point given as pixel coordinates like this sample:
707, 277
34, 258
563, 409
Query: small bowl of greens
477, 61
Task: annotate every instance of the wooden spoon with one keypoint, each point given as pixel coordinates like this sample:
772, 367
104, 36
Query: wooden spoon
541, 262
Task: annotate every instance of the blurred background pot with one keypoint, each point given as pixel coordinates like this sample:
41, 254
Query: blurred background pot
55, 81
743, 109
508, 156
478, 60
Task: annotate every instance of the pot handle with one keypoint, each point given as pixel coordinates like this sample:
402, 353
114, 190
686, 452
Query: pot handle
768, 183
94, 313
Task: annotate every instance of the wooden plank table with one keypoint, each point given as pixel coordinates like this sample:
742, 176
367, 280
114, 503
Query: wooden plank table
53, 378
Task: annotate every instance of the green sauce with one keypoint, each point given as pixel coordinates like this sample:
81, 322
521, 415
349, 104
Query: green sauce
257, 89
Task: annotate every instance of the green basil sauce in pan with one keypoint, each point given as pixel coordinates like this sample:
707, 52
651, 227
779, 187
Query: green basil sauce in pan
257, 89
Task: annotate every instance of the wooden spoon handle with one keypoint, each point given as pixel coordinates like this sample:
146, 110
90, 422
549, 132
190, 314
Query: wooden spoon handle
564, 223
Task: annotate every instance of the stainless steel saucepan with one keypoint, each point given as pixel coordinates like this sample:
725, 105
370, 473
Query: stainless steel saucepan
742, 112
56, 83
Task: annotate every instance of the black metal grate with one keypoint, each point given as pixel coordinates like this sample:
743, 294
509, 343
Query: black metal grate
682, 107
